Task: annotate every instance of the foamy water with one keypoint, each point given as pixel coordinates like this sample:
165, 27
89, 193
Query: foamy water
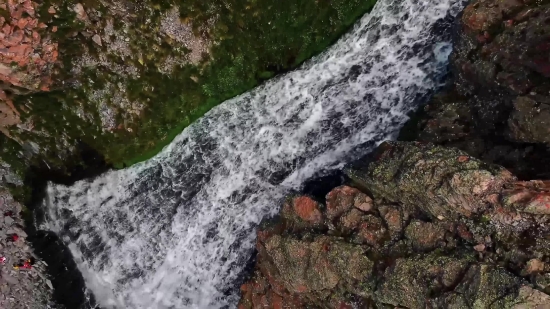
177, 230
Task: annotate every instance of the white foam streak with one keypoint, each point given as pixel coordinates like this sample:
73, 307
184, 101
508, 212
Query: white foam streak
176, 231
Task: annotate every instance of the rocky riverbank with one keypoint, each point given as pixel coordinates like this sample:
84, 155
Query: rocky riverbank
24, 282
455, 216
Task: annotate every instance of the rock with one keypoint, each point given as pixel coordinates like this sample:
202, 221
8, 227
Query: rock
49, 284
424, 236
485, 286
543, 281
534, 266
80, 12
307, 209
5, 289
349, 221
463, 232
431, 177
393, 219
371, 231
97, 39
409, 283
9, 279
530, 121
531, 298
479, 248
8, 221
20, 232
343, 198
318, 265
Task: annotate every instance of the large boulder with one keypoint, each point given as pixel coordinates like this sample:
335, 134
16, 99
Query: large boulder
444, 182
501, 63
443, 230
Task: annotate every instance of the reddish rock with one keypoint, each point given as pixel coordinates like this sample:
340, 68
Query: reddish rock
20, 43
340, 200
307, 209
479, 248
372, 231
463, 232
394, 221
350, 220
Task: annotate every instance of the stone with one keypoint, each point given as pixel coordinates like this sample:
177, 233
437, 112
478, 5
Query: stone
350, 220
307, 209
5, 289
9, 279
424, 236
430, 177
363, 202
534, 266
341, 199
20, 232
530, 298
479, 248
80, 12
97, 39
530, 121
372, 231
410, 282
394, 220
8, 220
485, 286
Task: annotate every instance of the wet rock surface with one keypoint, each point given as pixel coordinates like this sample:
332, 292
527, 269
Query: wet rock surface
496, 105
443, 231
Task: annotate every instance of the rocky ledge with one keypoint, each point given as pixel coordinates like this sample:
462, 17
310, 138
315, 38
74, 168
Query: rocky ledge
423, 226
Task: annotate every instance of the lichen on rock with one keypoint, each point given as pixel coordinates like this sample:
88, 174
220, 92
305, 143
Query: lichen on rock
429, 240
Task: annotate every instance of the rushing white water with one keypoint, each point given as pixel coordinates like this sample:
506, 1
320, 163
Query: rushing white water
177, 230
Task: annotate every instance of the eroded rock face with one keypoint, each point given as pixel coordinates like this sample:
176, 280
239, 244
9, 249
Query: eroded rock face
501, 63
445, 230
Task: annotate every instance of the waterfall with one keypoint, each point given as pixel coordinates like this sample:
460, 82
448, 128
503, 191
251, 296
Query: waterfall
176, 231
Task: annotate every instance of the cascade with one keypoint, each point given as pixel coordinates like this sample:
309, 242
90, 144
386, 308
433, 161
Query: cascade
176, 231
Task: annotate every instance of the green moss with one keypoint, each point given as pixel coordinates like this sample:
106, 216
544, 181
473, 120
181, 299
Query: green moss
253, 41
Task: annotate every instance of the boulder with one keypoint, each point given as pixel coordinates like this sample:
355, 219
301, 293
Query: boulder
442, 181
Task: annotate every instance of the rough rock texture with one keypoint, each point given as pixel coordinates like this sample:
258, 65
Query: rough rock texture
27, 57
20, 288
497, 104
445, 230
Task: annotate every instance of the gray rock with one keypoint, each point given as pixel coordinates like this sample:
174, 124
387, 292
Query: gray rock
8, 220
9, 279
17, 231
5, 289
49, 284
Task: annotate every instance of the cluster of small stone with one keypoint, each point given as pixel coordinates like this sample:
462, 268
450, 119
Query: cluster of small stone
23, 280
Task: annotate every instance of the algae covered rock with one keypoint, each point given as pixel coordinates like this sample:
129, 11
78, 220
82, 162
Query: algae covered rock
443, 181
410, 282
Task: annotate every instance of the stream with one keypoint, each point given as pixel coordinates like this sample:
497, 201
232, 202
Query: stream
177, 230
